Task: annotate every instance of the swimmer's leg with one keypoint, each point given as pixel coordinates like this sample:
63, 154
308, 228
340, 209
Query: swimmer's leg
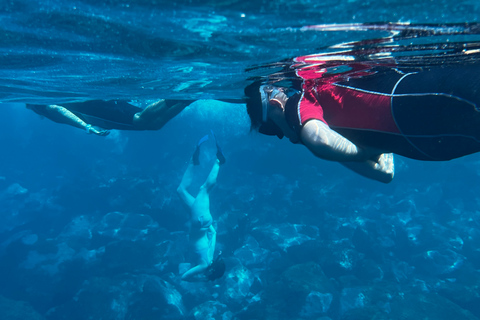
383, 169
212, 177
188, 175
187, 178
202, 200
196, 154
157, 114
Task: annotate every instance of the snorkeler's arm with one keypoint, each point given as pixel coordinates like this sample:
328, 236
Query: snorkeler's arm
328, 144
195, 274
63, 115
382, 169
212, 237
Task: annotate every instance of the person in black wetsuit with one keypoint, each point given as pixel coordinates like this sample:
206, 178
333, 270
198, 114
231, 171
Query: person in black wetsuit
360, 114
98, 116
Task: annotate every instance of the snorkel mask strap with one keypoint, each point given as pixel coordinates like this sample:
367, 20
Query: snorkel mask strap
265, 94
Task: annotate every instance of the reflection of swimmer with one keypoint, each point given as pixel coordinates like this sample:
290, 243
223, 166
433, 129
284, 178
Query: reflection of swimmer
108, 115
202, 233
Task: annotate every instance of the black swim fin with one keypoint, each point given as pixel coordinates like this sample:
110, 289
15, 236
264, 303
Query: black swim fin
196, 154
220, 155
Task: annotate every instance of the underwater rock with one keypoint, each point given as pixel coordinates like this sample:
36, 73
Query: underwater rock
307, 290
462, 291
30, 239
369, 270
14, 190
170, 251
439, 262
402, 271
49, 262
126, 226
17, 310
251, 254
27, 237
389, 302
352, 298
77, 232
285, 235
127, 297
98, 298
367, 302
237, 284
413, 306
316, 304
211, 310
305, 278
157, 299
339, 258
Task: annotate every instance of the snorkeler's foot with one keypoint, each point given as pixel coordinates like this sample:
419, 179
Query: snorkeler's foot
102, 133
220, 155
196, 154
90, 129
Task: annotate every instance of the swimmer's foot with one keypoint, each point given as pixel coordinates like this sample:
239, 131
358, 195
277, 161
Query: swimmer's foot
196, 154
90, 129
220, 156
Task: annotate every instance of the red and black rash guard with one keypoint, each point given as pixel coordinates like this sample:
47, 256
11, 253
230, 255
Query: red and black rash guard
423, 113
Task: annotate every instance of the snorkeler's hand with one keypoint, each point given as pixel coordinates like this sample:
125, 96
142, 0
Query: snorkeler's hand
385, 164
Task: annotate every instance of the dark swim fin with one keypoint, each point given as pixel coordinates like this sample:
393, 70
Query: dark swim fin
196, 154
220, 155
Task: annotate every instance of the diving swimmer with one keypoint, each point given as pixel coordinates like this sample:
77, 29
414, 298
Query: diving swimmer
202, 232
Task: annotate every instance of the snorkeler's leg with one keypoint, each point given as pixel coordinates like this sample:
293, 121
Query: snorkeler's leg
175, 107
157, 114
382, 169
187, 178
63, 115
158, 107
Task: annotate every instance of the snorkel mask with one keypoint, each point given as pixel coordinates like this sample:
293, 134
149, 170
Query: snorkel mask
268, 93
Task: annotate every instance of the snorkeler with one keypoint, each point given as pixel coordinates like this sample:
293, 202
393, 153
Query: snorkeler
360, 113
120, 115
203, 235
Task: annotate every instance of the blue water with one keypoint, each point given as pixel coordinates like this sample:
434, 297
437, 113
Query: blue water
92, 228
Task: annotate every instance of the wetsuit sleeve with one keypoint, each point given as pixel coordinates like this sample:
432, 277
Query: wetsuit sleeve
309, 108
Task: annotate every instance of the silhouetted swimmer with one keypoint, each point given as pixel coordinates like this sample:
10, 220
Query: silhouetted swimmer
98, 116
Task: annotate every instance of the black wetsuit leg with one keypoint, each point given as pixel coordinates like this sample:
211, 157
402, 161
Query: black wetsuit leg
105, 114
437, 110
